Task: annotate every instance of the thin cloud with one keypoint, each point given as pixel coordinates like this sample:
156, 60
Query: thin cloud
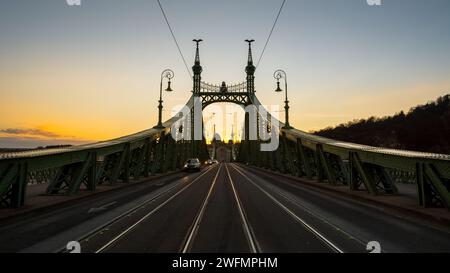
33, 142
35, 137
30, 131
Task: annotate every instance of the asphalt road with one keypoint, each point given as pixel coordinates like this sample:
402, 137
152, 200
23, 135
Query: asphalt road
223, 208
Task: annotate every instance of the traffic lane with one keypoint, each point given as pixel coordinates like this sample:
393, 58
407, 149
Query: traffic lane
336, 235
167, 228
36, 229
367, 223
97, 238
221, 229
274, 230
58, 242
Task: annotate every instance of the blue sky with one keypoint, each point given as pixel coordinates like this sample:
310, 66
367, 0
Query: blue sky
92, 72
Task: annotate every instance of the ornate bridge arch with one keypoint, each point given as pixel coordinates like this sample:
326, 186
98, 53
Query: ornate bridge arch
242, 93
232, 94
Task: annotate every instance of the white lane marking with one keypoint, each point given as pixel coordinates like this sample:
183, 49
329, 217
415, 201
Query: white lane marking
309, 210
292, 214
150, 213
101, 208
200, 214
129, 212
254, 247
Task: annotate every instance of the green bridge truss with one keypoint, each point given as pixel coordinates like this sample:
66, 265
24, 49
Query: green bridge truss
373, 169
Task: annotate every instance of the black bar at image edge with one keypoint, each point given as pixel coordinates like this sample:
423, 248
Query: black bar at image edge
131, 263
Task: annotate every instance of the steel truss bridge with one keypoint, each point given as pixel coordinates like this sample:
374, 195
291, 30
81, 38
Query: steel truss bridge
372, 169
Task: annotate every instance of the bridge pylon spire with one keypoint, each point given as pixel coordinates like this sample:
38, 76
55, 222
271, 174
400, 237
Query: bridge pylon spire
250, 68
197, 68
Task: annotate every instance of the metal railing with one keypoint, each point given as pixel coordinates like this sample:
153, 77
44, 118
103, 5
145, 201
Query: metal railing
69, 169
360, 167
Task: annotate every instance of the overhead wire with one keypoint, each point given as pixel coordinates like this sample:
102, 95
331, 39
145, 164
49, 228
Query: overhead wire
270, 33
174, 38
181, 53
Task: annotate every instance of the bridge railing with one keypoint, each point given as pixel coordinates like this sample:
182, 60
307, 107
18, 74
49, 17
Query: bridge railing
67, 170
359, 167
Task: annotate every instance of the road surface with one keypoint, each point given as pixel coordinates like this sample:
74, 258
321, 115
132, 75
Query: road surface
224, 208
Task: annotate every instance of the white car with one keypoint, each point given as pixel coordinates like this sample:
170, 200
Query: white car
192, 164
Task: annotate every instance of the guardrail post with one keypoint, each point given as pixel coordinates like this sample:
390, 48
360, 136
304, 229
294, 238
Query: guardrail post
170, 154
118, 166
78, 173
140, 162
386, 180
266, 159
159, 153
303, 159
184, 152
91, 182
272, 160
325, 165
8, 176
279, 160
153, 158
147, 152
127, 163
176, 156
318, 165
423, 189
431, 189
287, 160
344, 170
260, 154
18, 189
357, 168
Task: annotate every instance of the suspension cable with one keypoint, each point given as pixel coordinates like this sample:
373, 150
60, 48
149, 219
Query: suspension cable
270, 34
175, 39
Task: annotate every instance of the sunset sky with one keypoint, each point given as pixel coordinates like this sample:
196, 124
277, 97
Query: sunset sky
74, 74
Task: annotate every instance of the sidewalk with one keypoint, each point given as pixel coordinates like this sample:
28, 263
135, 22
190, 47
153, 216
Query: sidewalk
405, 202
38, 200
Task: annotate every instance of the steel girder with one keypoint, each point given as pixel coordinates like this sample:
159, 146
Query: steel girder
352, 171
66, 170
13, 182
375, 169
433, 189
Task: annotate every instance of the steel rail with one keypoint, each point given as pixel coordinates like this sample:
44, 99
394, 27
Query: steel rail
310, 211
149, 214
314, 231
192, 231
127, 213
249, 234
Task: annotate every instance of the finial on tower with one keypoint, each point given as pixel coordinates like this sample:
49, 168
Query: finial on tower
197, 69
250, 69
250, 59
197, 54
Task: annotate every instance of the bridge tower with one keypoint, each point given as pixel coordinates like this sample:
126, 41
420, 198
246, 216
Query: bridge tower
196, 114
250, 71
197, 69
205, 94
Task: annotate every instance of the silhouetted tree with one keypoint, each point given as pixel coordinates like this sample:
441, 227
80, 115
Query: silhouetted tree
424, 128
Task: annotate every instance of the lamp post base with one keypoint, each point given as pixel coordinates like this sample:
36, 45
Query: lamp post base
159, 126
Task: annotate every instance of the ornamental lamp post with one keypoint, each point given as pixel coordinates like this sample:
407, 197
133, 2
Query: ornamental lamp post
280, 74
166, 74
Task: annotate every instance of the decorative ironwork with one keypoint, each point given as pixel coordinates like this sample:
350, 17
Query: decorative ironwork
212, 88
